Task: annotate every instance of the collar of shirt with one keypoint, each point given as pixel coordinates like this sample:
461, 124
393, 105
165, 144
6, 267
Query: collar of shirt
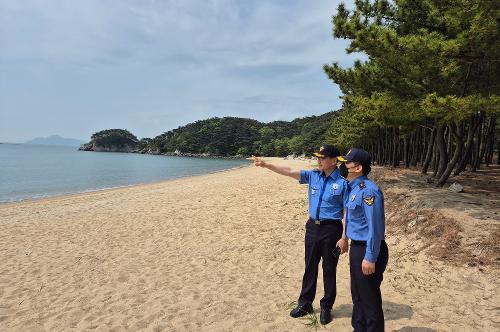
356, 181
334, 175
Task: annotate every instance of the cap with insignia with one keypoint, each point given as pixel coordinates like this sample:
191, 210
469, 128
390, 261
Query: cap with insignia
327, 151
358, 156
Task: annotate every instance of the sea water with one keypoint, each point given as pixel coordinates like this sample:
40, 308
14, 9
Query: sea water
37, 171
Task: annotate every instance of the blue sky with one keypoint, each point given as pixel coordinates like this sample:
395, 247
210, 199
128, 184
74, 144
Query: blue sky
76, 67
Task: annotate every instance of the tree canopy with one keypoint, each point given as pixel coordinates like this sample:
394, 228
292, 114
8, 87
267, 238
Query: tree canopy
231, 136
428, 92
114, 137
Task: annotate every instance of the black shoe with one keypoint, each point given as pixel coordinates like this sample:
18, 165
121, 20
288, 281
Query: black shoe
325, 316
301, 310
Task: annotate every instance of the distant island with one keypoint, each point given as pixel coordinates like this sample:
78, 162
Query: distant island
221, 137
55, 140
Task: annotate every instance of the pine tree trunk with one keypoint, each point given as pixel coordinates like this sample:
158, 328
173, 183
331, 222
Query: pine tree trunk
448, 136
388, 146
395, 154
443, 153
489, 141
435, 162
380, 141
458, 134
430, 149
484, 142
405, 152
473, 124
476, 151
425, 146
416, 147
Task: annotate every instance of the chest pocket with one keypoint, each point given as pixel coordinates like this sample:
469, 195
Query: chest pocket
335, 189
354, 206
315, 190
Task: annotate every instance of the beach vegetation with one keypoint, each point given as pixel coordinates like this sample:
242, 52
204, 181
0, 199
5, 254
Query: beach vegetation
312, 322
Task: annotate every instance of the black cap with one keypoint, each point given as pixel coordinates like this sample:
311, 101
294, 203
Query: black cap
357, 155
327, 151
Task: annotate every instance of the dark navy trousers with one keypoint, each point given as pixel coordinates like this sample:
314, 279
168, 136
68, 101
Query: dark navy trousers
320, 241
367, 314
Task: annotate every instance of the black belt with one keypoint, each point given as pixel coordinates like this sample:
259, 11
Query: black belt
360, 243
324, 221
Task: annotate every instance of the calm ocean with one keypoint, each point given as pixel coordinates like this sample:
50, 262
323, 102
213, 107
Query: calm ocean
36, 171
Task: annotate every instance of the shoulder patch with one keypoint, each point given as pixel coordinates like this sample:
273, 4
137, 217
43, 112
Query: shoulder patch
369, 200
362, 185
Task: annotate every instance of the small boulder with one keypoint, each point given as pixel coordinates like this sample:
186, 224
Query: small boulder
456, 187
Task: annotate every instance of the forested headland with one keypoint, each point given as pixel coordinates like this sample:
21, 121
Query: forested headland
223, 137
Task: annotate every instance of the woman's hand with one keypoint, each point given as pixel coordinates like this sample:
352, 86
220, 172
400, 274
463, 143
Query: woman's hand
367, 267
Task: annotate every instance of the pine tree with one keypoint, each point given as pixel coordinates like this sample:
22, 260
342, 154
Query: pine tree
428, 93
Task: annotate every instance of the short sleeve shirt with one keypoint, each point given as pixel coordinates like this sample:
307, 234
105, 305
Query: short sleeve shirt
326, 194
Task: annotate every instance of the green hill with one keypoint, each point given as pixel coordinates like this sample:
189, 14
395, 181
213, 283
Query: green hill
228, 136
231, 136
111, 140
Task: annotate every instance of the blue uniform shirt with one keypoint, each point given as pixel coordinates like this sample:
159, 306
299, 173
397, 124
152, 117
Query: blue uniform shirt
326, 194
365, 218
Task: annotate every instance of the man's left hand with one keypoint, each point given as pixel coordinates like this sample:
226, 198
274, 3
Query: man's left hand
367, 267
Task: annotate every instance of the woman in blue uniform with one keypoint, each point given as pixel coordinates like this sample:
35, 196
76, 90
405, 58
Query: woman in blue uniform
368, 256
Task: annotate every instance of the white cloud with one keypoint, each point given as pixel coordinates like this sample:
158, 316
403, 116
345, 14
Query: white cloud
139, 60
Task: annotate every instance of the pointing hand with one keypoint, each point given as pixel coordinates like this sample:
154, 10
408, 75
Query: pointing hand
258, 161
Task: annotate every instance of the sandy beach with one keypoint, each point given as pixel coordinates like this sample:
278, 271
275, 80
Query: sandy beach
224, 252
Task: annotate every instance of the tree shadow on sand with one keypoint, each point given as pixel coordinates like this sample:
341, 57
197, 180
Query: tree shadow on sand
392, 311
414, 329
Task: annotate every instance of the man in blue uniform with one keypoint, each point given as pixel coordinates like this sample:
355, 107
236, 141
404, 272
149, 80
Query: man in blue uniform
324, 228
368, 256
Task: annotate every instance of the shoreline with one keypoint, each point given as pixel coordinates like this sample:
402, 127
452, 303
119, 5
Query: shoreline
93, 191
170, 154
